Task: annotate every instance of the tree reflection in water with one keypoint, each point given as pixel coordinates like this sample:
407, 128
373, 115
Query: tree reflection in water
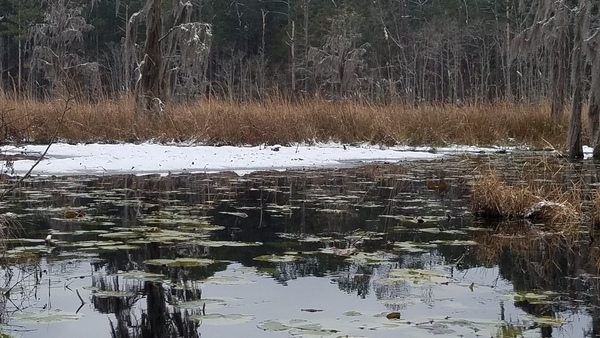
159, 317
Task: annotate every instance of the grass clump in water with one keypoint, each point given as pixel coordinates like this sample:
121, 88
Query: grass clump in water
541, 200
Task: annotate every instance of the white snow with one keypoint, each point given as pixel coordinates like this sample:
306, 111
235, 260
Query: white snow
150, 158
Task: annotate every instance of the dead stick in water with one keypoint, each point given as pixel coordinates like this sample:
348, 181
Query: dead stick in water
78, 295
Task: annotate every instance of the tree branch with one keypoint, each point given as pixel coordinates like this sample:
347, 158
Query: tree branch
60, 120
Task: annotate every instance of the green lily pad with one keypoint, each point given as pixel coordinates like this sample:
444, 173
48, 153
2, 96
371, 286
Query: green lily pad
226, 280
46, 317
547, 320
534, 297
180, 262
277, 259
371, 258
218, 244
455, 242
222, 319
413, 276
199, 304
111, 294
121, 235
297, 327
142, 276
412, 247
236, 214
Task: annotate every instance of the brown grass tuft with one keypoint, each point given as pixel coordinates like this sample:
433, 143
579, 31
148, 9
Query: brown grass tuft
534, 199
492, 197
281, 121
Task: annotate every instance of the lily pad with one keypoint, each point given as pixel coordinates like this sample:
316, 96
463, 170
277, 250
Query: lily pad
534, 297
111, 294
226, 280
218, 244
46, 317
142, 276
297, 327
199, 304
180, 262
371, 258
222, 319
547, 320
277, 259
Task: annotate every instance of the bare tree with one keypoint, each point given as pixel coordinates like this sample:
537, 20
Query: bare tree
150, 85
54, 49
180, 55
339, 63
552, 23
581, 23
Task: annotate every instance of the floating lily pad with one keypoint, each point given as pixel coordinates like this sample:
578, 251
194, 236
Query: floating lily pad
217, 244
414, 276
339, 252
547, 320
371, 258
534, 297
113, 247
277, 259
315, 239
226, 280
142, 276
236, 214
46, 317
412, 247
222, 319
180, 262
297, 327
113, 294
201, 303
201, 227
121, 235
455, 242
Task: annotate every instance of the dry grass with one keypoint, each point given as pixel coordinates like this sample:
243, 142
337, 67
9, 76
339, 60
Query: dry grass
278, 121
535, 199
596, 208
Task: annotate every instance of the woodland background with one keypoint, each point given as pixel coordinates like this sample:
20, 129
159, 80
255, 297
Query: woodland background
409, 53
382, 50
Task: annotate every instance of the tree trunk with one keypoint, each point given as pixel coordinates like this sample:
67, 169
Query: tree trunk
151, 82
594, 105
574, 146
558, 77
594, 113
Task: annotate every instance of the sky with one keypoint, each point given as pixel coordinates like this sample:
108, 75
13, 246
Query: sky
151, 158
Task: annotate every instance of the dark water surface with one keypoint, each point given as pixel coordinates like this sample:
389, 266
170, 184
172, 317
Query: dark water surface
329, 253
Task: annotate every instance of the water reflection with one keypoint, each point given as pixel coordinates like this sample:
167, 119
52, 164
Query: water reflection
329, 218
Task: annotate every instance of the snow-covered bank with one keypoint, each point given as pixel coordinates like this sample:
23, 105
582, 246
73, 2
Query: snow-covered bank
147, 158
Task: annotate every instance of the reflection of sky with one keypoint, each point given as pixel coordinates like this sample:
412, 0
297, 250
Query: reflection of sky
266, 299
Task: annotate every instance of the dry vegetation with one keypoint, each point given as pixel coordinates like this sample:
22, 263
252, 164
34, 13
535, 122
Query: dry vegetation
278, 121
549, 189
541, 200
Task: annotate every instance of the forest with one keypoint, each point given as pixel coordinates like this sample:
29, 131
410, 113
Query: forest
406, 52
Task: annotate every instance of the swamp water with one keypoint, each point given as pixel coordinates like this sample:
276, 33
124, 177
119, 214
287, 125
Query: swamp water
329, 253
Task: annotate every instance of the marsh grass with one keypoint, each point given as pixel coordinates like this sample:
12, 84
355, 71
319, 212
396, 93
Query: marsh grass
8, 225
546, 197
279, 121
596, 208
